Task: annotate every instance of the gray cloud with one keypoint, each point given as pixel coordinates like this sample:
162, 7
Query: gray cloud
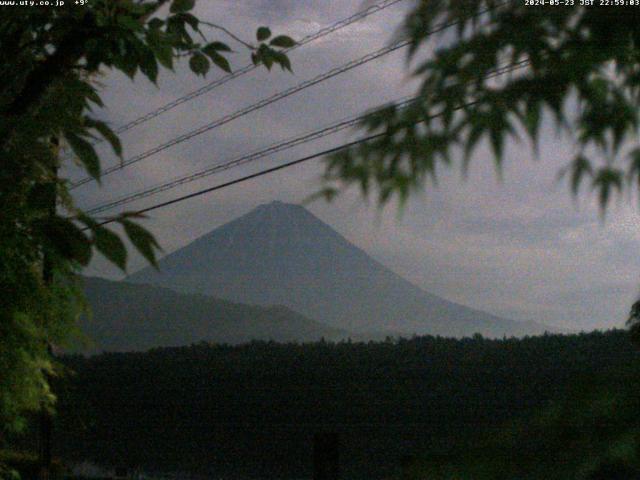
520, 248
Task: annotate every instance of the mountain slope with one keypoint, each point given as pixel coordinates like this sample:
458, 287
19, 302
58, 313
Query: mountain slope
282, 254
138, 317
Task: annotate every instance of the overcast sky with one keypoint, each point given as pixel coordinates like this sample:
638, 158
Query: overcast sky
521, 248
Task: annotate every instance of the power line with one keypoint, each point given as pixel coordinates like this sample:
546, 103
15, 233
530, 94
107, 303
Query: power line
282, 166
255, 175
251, 108
323, 32
274, 148
272, 99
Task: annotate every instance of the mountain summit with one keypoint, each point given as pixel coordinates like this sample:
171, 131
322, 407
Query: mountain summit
281, 254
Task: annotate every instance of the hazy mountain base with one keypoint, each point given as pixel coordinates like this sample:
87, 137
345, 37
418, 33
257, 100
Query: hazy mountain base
127, 317
281, 254
251, 411
130, 317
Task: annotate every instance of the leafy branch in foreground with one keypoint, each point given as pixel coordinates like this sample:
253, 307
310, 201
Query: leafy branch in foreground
47, 96
583, 73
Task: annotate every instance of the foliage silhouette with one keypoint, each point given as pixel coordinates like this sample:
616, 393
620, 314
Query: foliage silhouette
48, 62
582, 75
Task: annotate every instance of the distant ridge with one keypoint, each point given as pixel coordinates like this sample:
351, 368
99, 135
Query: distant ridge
128, 317
281, 254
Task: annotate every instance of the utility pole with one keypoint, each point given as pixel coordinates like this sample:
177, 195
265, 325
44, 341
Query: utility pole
46, 420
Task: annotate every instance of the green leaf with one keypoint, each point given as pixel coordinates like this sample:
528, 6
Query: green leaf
327, 193
634, 167
496, 135
155, 23
267, 60
149, 64
129, 22
263, 33
176, 30
191, 20
605, 181
282, 60
159, 44
219, 61
283, 41
285, 63
164, 54
84, 89
142, 240
108, 134
88, 221
86, 153
111, 246
212, 50
532, 120
581, 166
95, 98
475, 134
216, 47
265, 56
199, 64
66, 239
128, 63
181, 6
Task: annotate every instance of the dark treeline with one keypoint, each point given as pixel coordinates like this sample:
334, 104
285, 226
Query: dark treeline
252, 410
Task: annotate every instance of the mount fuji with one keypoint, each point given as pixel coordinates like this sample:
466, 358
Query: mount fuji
281, 254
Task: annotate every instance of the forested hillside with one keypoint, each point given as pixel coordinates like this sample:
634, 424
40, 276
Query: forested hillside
252, 410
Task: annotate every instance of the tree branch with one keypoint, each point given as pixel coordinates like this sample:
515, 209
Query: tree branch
232, 35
